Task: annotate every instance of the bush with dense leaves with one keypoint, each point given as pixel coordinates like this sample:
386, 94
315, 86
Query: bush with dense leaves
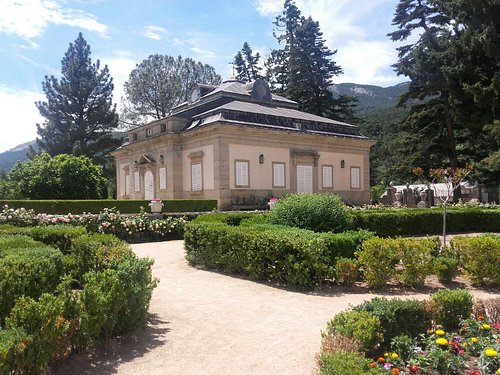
406, 259
445, 268
414, 221
296, 257
316, 212
450, 307
479, 258
345, 363
358, 325
398, 317
26, 269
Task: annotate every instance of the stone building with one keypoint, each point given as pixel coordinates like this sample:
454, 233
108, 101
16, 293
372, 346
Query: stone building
242, 145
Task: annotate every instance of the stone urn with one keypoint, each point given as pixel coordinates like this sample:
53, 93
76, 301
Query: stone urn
156, 206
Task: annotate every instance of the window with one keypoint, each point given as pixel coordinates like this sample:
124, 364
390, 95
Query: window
149, 132
134, 136
163, 128
305, 179
196, 180
355, 178
127, 185
327, 177
137, 182
241, 173
163, 178
279, 175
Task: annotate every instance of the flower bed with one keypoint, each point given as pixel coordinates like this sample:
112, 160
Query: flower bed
472, 348
132, 228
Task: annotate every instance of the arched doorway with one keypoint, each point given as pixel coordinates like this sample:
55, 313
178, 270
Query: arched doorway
149, 185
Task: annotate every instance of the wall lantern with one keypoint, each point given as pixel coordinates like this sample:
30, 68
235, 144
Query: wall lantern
261, 159
135, 163
342, 164
162, 160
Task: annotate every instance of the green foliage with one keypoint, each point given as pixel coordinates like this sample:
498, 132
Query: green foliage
13, 345
57, 236
358, 325
398, 222
60, 177
303, 69
172, 79
398, 317
316, 212
415, 257
62, 207
48, 330
247, 64
479, 258
450, 307
344, 363
297, 257
445, 268
27, 271
103, 297
378, 258
346, 271
95, 252
79, 115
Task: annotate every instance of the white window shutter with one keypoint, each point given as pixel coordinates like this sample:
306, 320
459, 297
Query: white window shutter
241, 173
355, 178
163, 178
196, 183
304, 179
327, 177
137, 182
127, 185
279, 175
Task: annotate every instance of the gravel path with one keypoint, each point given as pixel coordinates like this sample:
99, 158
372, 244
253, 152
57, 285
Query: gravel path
208, 323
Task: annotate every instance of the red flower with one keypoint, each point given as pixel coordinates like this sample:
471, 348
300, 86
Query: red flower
474, 372
414, 369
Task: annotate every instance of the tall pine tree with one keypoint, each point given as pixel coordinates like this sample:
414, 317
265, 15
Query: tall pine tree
79, 114
303, 69
247, 64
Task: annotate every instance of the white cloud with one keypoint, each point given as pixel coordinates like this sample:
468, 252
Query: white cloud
367, 62
120, 65
20, 115
269, 7
202, 53
29, 18
154, 32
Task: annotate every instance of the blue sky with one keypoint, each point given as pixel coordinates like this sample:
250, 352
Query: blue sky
35, 34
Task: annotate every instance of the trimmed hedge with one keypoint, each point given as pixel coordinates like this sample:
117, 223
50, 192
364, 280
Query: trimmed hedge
27, 271
296, 257
414, 221
58, 236
62, 207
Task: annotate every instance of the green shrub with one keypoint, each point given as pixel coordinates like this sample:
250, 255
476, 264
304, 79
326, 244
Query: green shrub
13, 346
415, 258
346, 271
27, 272
48, 330
479, 258
445, 268
450, 307
414, 221
58, 236
16, 242
345, 363
103, 297
94, 252
316, 212
397, 317
378, 258
62, 207
359, 325
296, 257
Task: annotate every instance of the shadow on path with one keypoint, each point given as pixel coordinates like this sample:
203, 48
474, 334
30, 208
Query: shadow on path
106, 358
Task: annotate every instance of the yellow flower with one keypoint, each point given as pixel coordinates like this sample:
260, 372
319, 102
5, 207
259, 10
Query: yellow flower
485, 327
394, 355
490, 352
386, 354
474, 339
440, 332
442, 341
498, 371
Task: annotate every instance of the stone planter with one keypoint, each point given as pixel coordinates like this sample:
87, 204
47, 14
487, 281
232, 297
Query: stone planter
156, 207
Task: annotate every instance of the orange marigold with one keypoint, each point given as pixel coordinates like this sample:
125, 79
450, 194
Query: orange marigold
373, 365
395, 371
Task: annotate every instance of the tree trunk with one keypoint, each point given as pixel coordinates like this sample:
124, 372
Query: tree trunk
452, 146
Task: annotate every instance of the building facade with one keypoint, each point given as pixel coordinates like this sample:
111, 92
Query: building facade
242, 145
